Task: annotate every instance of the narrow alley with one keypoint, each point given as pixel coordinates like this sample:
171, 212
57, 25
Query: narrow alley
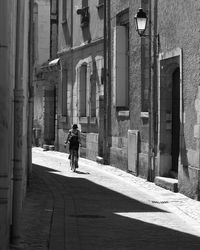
96, 208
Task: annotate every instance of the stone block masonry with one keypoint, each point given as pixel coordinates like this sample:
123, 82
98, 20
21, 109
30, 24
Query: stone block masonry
92, 146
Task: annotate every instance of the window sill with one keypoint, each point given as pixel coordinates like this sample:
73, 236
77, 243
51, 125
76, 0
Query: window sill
93, 120
123, 113
144, 114
83, 120
145, 118
64, 21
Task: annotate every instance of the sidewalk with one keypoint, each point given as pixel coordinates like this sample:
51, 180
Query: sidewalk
101, 207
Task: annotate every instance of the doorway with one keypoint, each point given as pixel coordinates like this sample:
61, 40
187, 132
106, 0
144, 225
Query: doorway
169, 114
175, 145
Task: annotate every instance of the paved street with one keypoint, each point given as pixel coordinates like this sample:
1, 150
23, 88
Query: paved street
101, 208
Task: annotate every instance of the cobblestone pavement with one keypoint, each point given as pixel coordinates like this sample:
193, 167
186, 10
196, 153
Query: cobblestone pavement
102, 208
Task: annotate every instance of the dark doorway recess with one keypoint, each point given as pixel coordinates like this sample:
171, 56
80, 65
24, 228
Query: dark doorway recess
175, 118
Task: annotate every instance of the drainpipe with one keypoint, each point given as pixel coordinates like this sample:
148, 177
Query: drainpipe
156, 47
30, 97
109, 81
18, 126
150, 149
107, 85
152, 88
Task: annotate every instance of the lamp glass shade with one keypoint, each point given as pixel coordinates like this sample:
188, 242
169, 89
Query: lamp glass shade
141, 22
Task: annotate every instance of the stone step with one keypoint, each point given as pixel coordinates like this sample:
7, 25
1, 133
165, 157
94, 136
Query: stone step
100, 160
167, 183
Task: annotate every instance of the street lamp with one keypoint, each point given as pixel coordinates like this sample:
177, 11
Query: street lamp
141, 22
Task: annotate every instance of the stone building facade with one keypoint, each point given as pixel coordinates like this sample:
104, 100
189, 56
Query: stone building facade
80, 49
46, 71
153, 80
178, 93
170, 147
129, 92
15, 115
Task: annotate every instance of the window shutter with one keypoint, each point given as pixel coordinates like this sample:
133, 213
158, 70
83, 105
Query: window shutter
120, 66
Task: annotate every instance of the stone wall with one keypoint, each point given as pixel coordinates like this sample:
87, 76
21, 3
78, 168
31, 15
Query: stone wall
178, 28
122, 120
42, 31
92, 146
119, 153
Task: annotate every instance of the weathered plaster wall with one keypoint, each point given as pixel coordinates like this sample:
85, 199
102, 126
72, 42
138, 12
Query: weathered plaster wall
10, 73
76, 47
95, 29
92, 55
121, 123
70, 32
43, 36
178, 26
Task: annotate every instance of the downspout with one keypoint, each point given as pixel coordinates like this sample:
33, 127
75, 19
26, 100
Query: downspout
152, 88
105, 141
18, 126
30, 90
156, 48
72, 63
150, 148
109, 120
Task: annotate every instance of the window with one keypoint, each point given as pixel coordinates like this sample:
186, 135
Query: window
54, 6
93, 96
64, 92
64, 10
84, 4
121, 60
83, 90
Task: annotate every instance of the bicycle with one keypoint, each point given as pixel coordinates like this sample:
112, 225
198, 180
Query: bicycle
74, 159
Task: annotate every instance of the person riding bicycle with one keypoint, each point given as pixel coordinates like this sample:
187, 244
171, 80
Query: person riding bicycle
74, 140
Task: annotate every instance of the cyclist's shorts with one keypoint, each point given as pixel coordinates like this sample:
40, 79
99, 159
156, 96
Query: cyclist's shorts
75, 151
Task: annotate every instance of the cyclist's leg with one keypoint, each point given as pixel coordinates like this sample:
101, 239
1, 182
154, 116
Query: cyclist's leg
71, 158
76, 158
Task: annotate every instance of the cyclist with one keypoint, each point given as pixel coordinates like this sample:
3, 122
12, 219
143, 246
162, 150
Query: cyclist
74, 140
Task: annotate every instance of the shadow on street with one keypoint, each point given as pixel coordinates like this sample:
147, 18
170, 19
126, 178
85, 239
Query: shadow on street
96, 217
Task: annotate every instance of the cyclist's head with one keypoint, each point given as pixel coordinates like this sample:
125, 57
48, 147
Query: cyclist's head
74, 126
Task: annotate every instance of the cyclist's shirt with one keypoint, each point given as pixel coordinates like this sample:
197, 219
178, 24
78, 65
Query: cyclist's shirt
74, 139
